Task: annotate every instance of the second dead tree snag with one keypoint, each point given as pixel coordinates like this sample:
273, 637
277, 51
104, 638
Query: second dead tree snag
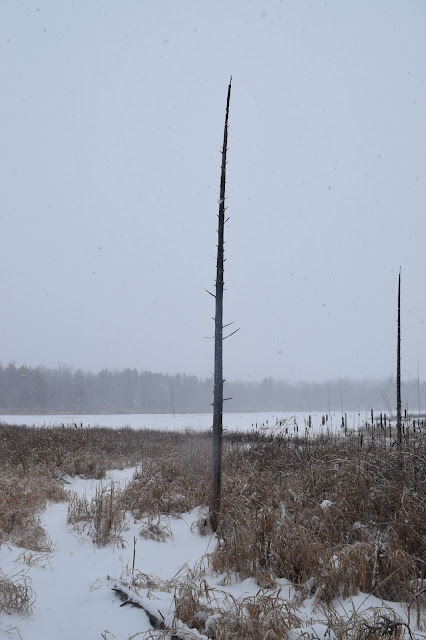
398, 368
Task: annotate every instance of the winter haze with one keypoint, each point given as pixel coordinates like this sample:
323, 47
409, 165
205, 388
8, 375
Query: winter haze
112, 120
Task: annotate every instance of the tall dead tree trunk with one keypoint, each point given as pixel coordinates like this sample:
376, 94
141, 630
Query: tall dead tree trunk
398, 367
216, 483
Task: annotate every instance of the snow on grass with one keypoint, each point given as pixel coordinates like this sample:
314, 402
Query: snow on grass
73, 599
74, 584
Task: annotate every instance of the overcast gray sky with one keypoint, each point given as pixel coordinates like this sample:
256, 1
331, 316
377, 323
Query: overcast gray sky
112, 119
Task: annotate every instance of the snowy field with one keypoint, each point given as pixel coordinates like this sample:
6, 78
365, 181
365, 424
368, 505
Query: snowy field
73, 582
200, 421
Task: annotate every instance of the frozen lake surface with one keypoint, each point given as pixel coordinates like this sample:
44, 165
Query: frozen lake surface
295, 421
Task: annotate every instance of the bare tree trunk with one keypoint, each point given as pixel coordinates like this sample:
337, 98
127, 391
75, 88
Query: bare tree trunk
398, 367
215, 493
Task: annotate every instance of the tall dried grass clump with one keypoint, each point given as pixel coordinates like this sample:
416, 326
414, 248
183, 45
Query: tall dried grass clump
16, 594
103, 517
156, 528
328, 514
372, 623
219, 615
265, 615
170, 484
22, 497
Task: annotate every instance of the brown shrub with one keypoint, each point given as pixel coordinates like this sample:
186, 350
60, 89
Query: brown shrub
16, 594
325, 513
170, 484
156, 528
103, 517
22, 497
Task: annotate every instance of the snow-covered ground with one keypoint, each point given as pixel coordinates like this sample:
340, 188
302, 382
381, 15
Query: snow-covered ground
73, 583
74, 599
195, 421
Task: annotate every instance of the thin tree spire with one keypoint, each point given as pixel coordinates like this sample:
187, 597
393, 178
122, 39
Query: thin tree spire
398, 366
216, 485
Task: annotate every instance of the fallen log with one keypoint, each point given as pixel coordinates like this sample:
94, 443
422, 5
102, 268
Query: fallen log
179, 632
127, 599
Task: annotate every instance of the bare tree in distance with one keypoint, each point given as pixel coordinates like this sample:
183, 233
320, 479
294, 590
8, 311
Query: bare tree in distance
398, 366
216, 480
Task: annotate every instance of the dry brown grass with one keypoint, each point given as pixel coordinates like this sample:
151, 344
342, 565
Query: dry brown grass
22, 496
34, 461
168, 485
16, 594
369, 535
74, 451
103, 517
218, 615
334, 515
372, 623
215, 613
156, 528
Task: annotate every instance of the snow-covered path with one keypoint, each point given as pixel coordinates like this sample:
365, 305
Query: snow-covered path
73, 599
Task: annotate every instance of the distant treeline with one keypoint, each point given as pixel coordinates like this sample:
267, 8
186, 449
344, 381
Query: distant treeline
64, 390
